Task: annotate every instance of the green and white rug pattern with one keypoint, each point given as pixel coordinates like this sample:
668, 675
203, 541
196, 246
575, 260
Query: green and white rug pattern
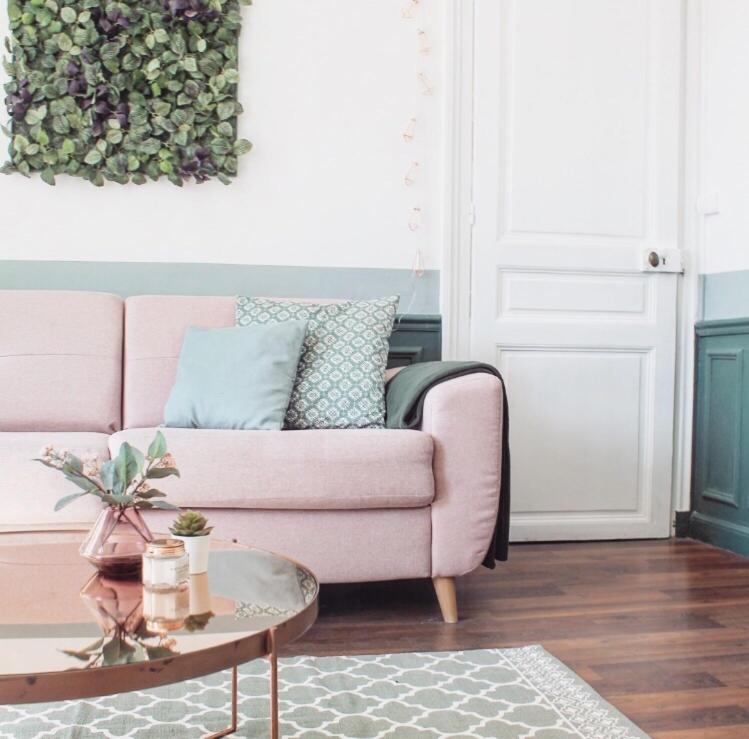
499, 693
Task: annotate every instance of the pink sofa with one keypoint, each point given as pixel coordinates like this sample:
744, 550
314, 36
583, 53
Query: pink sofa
87, 371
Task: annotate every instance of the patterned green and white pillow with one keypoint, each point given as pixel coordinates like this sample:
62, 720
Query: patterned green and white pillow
340, 379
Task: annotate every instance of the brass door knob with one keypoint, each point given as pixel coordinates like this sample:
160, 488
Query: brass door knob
654, 259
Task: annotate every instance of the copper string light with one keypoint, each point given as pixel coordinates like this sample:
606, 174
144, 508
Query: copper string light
427, 88
424, 47
410, 176
410, 9
418, 268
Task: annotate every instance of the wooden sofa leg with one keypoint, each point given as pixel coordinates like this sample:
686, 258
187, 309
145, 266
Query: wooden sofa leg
444, 587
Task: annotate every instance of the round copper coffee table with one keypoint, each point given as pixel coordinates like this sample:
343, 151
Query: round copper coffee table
66, 633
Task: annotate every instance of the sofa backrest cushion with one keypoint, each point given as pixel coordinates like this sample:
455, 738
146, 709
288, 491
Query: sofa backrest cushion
155, 326
60, 361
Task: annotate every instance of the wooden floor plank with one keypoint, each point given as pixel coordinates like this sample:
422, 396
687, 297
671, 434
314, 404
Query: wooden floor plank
659, 628
736, 731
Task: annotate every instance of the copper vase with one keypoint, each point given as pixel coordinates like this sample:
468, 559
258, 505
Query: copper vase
116, 542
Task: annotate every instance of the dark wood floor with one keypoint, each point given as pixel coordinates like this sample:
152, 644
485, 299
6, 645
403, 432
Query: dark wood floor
659, 628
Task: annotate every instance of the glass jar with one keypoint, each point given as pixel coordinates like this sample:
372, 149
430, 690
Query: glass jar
165, 565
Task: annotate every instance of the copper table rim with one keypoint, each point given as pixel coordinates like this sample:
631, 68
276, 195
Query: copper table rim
79, 683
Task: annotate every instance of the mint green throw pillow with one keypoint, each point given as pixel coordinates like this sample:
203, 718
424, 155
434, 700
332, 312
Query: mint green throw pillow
340, 381
235, 378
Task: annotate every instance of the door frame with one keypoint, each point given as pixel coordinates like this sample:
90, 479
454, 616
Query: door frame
457, 227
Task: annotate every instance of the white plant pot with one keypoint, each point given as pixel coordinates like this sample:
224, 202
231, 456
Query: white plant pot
200, 594
198, 548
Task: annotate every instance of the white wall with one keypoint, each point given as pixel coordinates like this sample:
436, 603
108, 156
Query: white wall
725, 101
328, 87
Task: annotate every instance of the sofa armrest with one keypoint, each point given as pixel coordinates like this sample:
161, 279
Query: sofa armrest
464, 418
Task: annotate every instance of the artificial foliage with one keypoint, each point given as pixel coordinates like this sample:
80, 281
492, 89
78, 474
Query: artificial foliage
124, 91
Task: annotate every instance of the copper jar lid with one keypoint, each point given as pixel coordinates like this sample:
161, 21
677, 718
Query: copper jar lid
165, 548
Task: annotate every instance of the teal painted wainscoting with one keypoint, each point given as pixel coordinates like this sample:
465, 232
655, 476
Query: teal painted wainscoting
417, 335
720, 479
418, 295
415, 339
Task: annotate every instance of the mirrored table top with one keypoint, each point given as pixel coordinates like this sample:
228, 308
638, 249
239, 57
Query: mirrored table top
59, 617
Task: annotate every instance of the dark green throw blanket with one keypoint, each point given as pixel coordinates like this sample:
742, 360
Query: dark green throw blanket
404, 398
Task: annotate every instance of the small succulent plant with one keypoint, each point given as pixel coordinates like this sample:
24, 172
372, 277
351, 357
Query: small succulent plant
191, 523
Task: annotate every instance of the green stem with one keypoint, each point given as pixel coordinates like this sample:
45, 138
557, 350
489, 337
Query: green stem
143, 478
92, 480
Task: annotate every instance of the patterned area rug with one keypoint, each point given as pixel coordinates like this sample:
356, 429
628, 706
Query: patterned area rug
497, 693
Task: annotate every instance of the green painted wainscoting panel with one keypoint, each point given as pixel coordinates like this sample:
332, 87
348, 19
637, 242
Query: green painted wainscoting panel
415, 339
720, 479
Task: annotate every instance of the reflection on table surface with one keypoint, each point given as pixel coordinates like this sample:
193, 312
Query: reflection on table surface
57, 614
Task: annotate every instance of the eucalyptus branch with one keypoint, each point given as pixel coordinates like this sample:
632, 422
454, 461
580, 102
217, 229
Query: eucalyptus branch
93, 480
126, 474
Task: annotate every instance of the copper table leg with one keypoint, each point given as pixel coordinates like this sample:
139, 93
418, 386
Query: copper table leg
233, 727
273, 658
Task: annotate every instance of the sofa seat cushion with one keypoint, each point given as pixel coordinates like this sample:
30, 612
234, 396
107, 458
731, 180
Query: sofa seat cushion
294, 470
29, 490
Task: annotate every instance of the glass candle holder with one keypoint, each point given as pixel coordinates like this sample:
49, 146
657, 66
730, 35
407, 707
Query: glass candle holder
165, 565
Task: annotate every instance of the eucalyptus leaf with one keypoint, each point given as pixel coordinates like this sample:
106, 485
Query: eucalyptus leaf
159, 472
82, 656
128, 463
163, 505
107, 474
80, 482
66, 500
159, 653
153, 493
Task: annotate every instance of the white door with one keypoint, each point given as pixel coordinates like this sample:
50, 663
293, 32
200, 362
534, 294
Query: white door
576, 171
